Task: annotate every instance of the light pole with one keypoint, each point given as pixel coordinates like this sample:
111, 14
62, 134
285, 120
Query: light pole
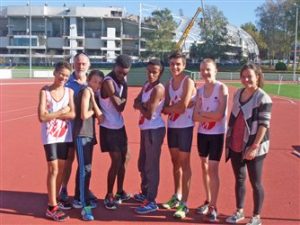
296, 43
30, 40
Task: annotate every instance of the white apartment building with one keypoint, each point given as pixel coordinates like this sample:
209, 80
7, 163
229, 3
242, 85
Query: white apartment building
60, 32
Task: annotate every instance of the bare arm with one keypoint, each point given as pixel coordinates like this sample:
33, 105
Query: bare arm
137, 104
71, 113
86, 111
184, 102
149, 107
43, 113
110, 92
197, 109
220, 111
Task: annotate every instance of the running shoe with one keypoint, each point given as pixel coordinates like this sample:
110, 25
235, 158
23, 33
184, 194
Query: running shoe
203, 209
110, 203
56, 214
140, 197
236, 217
63, 194
212, 214
66, 205
87, 214
78, 205
147, 207
255, 220
181, 211
92, 196
172, 203
121, 197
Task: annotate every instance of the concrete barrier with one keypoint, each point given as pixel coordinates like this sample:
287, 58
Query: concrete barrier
5, 74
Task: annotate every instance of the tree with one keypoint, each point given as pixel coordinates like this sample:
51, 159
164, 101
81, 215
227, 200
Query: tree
214, 35
160, 40
277, 26
251, 29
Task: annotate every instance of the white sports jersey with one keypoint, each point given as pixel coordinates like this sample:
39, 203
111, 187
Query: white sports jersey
211, 104
185, 119
156, 121
56, 130
112, 118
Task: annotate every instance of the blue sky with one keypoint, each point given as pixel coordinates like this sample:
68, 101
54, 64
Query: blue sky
236, 11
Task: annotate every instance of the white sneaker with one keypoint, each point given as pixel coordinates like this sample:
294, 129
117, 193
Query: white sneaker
236, 217
255, 220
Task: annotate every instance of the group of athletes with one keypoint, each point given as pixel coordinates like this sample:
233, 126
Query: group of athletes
74, 102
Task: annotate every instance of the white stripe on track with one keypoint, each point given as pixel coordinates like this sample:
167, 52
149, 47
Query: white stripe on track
16, 110
17, 118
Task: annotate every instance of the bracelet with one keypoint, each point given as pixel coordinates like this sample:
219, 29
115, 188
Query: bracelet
255, 145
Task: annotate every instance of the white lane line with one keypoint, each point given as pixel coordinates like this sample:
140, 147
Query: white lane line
16, 110
17, 118
22, 83
285, 98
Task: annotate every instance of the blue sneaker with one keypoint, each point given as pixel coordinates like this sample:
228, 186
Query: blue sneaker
147, 207
78, 205
87, 214
63, 194
92, 196
140, 197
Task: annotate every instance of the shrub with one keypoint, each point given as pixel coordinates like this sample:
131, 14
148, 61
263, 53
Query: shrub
280, 66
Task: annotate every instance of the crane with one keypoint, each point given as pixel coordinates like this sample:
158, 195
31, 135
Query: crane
187, 30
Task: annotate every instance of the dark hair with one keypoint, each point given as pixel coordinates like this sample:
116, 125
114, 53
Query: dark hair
62, 65
177, 55
97, 73
123, 61
157, 62
257, 70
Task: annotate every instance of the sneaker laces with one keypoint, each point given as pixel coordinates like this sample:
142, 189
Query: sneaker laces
145, 202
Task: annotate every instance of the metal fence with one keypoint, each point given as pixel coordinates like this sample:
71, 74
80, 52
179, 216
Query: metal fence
137, 76
236, 76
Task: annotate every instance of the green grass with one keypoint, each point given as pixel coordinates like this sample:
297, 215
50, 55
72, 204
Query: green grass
286, 90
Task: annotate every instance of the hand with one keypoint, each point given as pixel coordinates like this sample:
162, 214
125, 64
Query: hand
100, 118
251, 152
136, 104
191, 104
65, 110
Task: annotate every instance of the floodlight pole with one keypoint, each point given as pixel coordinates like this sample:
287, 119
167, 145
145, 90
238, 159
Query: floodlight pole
30, 40
295, 48
140, 30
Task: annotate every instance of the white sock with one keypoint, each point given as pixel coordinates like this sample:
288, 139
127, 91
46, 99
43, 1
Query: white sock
179, 196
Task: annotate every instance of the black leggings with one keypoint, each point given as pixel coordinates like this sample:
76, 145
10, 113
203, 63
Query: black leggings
254, 168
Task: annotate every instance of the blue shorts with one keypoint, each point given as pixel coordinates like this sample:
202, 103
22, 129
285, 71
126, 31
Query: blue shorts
180, 138
56, 151
210, 145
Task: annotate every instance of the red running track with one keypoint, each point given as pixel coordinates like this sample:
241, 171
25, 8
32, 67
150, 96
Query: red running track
23, 168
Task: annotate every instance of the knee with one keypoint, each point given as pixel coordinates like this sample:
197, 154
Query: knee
53, 171
204, 165
257, 186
